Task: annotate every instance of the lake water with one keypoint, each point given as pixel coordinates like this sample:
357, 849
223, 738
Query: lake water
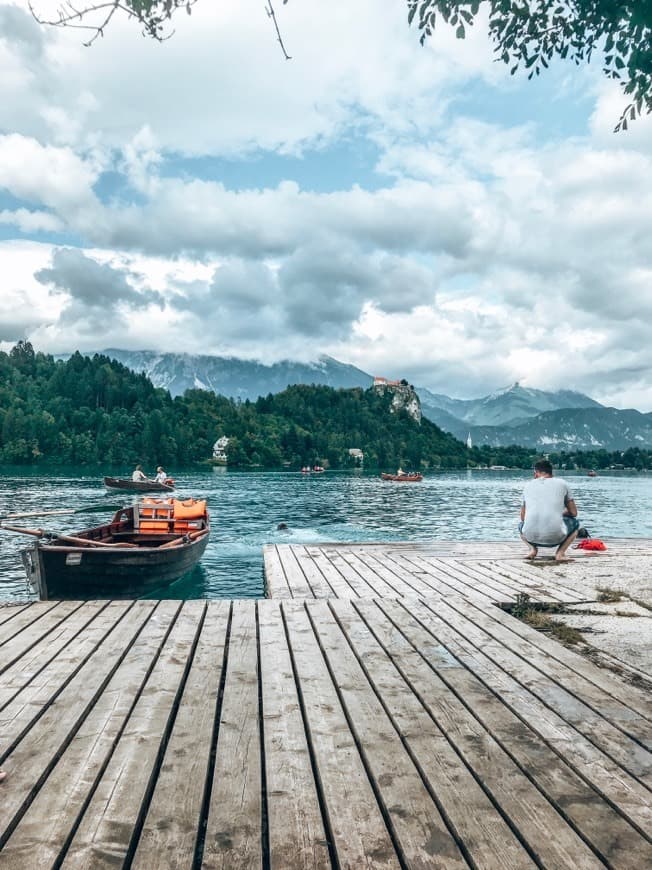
246, 508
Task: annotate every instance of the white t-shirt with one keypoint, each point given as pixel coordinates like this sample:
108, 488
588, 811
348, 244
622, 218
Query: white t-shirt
545, 501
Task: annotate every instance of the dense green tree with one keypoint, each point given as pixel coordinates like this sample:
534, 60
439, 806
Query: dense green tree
95, 411
23, 357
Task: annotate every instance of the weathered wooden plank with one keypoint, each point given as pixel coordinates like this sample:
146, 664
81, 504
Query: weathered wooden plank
25, 707
26, 636
9, 611
24, 618
110, 820
625, 751
499, 747
414, 579
297, 580
319, 586
359, 584
331, 576
276, 584
461, 582
424, 838
234, 825
173, 822
378, 576
360, 835
385, 655
443, 582
41, 835
544, 584
297, 837
624, 790
464, 549
40, 654
35, 754
561, 672
471, 572
559, 575
491, 575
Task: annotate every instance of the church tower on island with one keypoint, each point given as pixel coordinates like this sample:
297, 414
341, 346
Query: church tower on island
469, 441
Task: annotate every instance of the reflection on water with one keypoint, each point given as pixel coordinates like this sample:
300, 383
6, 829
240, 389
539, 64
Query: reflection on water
246, 508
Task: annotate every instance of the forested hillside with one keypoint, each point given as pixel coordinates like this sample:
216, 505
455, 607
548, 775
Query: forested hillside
96, 412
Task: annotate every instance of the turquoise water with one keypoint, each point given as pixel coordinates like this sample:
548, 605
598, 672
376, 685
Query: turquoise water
246, 508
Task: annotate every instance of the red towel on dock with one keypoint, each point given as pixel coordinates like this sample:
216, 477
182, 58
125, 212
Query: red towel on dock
591, 544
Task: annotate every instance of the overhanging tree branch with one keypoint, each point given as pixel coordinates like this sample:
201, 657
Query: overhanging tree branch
153, 15
271, 14
529, 34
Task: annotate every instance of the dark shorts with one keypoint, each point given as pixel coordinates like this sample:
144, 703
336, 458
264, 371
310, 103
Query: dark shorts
572, 525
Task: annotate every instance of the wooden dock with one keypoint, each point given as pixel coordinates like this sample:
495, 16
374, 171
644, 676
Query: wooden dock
378, 710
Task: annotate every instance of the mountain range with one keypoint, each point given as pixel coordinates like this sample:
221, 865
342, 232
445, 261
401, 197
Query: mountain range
544, 421
233, 377
573, 429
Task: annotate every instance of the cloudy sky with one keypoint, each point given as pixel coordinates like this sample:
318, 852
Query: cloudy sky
414, 211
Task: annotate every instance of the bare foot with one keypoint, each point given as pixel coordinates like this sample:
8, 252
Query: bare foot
532, 554
564, 559
3, 775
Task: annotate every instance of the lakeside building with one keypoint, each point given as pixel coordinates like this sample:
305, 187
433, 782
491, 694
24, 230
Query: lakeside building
219, 449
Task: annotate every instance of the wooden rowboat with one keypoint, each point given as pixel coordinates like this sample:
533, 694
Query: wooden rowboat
407, 477
138, 485
144, 547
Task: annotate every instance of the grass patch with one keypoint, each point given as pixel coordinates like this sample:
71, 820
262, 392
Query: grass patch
564, 633
523, 604
609, 596
536, 614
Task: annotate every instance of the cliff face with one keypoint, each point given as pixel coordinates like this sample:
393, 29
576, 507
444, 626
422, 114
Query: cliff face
404, 398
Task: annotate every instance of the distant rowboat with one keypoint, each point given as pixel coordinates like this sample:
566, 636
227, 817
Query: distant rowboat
138, 485
408, 477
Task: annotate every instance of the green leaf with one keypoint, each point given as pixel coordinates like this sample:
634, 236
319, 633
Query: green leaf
459, 33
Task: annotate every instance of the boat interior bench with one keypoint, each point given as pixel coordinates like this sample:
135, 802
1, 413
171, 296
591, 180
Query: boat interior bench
169, 517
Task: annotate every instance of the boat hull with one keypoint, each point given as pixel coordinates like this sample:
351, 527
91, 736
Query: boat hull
137, 485
81, 573
403, 478
145, 547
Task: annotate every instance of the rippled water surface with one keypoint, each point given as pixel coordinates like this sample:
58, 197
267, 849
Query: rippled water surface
246, 508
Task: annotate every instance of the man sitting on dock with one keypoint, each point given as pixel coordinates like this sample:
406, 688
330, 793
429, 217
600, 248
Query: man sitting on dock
548, 513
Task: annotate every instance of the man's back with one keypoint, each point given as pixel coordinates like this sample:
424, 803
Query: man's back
545, 500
